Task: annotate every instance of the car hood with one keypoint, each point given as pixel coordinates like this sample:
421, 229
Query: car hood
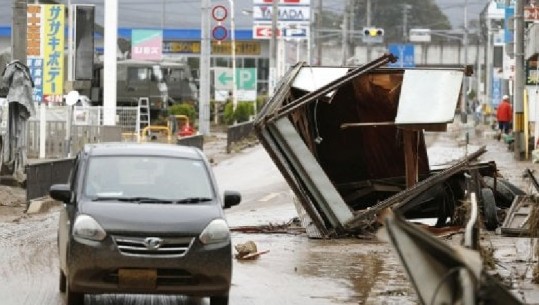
125, 217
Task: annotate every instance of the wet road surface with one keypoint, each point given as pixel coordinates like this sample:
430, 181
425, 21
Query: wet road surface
297, 270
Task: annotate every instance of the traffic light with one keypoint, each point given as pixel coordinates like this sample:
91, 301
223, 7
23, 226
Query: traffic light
373, 35
373, 32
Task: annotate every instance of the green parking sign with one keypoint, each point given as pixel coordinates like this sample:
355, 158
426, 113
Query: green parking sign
245, 78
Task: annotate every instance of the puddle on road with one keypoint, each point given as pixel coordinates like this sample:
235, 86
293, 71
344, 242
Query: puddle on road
361, 270
367, 268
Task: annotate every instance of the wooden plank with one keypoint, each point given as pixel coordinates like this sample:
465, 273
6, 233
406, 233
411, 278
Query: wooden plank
410, 157
516, 222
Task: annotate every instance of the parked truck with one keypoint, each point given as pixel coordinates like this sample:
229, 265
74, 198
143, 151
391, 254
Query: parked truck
160, 82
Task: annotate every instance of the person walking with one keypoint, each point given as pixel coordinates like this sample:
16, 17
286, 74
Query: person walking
504, 115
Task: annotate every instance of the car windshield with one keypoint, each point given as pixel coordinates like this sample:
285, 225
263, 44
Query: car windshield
148, 179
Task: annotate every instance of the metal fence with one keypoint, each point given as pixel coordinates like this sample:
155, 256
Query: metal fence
86, 128
126, 117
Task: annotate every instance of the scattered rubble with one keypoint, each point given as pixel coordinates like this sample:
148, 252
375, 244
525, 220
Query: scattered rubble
291, 227
248, 251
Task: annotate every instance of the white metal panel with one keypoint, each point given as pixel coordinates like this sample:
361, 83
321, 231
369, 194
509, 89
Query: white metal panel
429, 96
313, 78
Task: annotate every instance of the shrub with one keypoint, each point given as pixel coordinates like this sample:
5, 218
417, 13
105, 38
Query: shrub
183, 108
242, 113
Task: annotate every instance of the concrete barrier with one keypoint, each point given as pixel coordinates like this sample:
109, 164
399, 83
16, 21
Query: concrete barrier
41, 175
237, 133
196, 141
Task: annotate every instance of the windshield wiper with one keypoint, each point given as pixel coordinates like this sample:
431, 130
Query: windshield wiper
193, 200
135, 199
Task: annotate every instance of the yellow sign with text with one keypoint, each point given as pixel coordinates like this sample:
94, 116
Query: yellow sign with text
53, 49
217, 48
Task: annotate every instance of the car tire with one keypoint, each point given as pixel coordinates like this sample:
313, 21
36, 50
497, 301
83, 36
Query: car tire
63, 282
219, 300
72, 297
489, 209
505, 191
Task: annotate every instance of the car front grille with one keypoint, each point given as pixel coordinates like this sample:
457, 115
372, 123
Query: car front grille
153, 246
165, 277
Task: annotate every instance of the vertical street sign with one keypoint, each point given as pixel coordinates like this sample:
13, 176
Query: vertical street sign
219, 32
34, 49
53, 52
405, 54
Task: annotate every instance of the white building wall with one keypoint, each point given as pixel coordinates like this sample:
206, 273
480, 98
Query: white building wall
425, 54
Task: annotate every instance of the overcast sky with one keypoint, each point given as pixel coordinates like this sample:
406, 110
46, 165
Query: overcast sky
186, 13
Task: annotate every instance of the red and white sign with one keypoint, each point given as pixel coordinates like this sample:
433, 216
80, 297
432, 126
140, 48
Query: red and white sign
287, 2
219, 13
286, 13
53, 99
263, 32
531, 13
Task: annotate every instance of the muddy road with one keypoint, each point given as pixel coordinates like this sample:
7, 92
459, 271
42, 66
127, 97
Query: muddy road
297, 270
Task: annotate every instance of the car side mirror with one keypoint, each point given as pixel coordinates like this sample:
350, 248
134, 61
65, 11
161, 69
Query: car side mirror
232, 198
60, 192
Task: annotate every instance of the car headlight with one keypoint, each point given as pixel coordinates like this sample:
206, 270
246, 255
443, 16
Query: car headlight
215, 232
85, 227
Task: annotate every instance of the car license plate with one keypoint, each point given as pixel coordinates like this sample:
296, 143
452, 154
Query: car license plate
137, 278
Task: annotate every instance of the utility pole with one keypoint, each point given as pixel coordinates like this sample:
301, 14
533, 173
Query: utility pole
518, 102
319, 25
405, 9
350, 42
489, 67
273, 47
110, 62
464, 104
368, 24
233, 47
344, 35
204, 93
18, 31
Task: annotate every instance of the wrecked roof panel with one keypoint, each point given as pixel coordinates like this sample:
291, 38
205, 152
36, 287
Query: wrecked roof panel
344, 154
313, 78
435, 90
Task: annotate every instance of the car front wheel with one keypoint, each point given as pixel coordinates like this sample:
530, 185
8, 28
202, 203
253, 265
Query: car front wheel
72, 297
62, 281
219, 300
